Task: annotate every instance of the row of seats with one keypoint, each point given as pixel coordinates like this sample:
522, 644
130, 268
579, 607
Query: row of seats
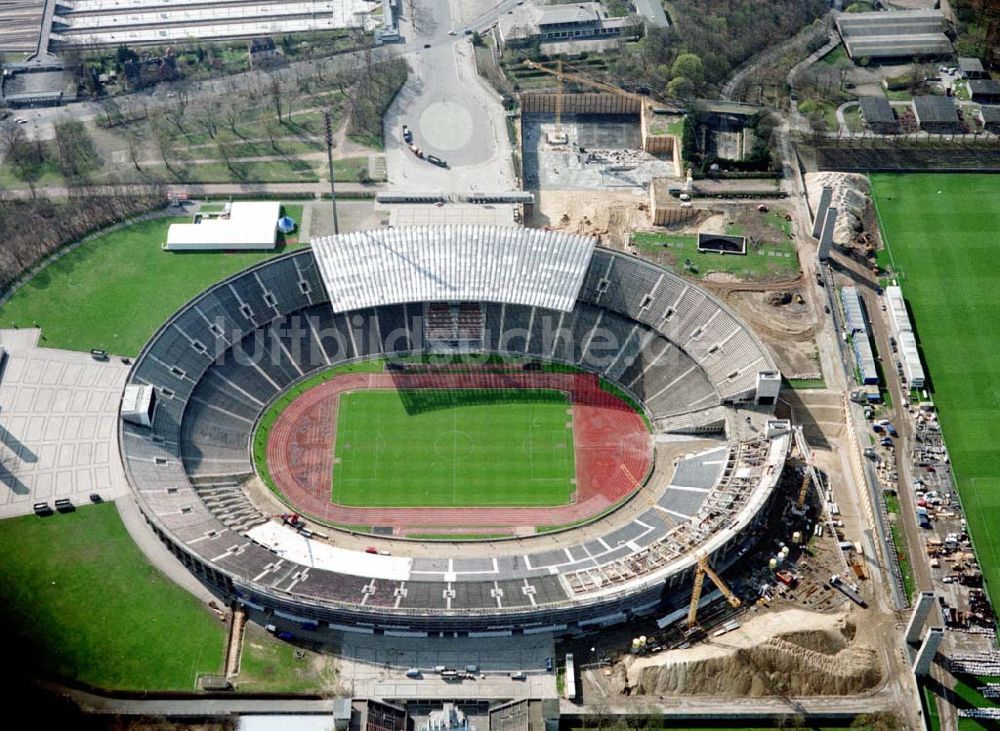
682, 313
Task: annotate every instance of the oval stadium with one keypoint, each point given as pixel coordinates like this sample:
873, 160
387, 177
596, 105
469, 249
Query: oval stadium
487, 430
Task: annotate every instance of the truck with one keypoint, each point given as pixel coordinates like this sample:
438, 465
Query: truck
923, 519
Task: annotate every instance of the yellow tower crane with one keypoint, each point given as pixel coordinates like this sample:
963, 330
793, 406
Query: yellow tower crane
579, 78
648, 495
701, 570
804, 490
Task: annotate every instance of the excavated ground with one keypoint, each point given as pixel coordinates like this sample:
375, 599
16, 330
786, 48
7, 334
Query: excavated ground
792, 652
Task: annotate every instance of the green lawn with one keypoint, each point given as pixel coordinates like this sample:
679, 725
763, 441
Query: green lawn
270, 665
431, 447
942, 233
114, 292
806, 384
80, 601
762, 260
834, 56
966, 695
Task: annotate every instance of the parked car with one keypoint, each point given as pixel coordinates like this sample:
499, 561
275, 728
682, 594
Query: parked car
407, 134
371, 549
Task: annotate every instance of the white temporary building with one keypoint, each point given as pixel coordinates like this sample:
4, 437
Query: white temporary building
138, 404
902, 328
249, 225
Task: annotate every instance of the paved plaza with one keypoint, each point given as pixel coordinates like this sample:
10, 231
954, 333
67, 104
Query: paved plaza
58, 420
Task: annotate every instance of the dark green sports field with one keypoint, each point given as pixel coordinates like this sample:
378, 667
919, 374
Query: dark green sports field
943, 236
428, 447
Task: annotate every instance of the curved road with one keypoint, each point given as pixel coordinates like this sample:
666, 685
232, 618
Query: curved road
452, 113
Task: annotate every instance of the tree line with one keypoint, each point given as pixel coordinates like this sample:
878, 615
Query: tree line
33, 228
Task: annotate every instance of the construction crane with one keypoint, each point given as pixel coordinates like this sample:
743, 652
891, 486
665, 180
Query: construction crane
809, 475
559, 137
804, 490
701, 570
578, 78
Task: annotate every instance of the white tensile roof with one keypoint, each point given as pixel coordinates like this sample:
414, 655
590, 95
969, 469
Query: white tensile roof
453, 263
297, 548
249, 223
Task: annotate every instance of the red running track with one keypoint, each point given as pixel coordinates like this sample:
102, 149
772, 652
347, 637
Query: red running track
610, 440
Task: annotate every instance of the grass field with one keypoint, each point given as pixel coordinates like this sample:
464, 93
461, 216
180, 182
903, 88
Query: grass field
762, 261
268, 665
115, 291
941, 232
430, 447
80, 601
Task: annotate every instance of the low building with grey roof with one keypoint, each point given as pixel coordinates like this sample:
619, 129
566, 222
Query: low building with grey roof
971, 68
936, 114
984, 91
990, 118
877, 114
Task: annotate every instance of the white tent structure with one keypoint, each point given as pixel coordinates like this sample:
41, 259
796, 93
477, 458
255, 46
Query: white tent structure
250, 225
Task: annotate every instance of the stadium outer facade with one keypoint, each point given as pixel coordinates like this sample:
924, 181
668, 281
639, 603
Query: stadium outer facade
679, 352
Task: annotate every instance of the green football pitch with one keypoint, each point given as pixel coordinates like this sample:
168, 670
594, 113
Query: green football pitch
943, 238
444, 448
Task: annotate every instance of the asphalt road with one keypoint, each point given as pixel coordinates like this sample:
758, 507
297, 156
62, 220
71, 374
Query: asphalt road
452, 113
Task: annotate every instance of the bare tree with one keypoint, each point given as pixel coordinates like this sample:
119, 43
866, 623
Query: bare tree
275, 90
232, 112
163, 136
134, 149
208, 119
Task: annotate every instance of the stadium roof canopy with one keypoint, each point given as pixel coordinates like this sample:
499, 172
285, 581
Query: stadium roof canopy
896, 34
453, 263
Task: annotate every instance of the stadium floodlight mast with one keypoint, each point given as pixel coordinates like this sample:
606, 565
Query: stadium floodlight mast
329, 159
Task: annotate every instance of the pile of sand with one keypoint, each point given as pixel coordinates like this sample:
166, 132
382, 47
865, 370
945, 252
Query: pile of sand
851, 196
793, 652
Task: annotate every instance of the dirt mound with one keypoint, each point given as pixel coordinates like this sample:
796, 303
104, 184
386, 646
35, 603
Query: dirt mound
786, 653
851, 196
